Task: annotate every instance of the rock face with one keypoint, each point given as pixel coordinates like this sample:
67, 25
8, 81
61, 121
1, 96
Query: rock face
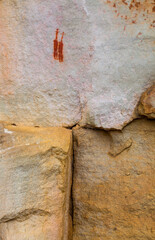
83, 63
35, 182
147, 103
100, 67
113, 194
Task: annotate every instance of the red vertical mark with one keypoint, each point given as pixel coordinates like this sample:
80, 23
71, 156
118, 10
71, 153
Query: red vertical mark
58, 47
55, 53
61, 57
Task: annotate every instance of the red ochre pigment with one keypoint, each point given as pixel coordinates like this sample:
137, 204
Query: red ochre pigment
61, 49
55, 53
58, 47
145, 8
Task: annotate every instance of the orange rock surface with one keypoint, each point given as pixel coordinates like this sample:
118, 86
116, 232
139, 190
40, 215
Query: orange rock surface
35, 182
147, 103
113, 185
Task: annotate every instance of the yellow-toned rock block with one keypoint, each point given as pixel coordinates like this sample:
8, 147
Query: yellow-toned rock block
113, 190
35, 182
146, 105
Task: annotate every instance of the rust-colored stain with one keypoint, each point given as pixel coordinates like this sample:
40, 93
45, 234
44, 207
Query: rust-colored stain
58, 47
135, 10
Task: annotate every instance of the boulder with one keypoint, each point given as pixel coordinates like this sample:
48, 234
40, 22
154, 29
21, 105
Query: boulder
146, 105
68, 61
35, 183
114, 182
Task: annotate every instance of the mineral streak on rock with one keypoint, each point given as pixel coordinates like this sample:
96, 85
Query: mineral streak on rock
35, 183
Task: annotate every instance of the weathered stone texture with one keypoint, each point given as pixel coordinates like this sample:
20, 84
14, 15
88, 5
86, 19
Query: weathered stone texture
102, 80
146, 106
108, 61
35, 182
113, 185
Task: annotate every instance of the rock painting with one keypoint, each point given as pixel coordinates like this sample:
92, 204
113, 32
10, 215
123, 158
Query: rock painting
135, 10
58, 47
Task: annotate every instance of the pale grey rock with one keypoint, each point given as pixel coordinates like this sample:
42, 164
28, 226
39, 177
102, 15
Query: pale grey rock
108, 62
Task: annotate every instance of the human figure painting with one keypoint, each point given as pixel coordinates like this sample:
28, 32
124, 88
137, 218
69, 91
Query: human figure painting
58, 47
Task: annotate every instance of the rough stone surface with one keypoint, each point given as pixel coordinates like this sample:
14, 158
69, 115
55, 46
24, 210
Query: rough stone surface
35, 181
108, 61
146, 106
113, 185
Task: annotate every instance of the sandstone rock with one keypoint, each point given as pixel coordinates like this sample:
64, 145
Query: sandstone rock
119, 142
108, 61
35, 182
147, 103
113, 196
